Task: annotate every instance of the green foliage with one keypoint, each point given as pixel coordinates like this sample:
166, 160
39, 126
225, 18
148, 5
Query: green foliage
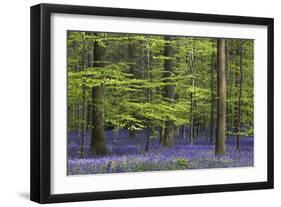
134, 81
182, 163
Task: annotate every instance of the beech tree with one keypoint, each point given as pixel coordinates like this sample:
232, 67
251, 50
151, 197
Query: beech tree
221, 96
169, 89
239, 97
97, 140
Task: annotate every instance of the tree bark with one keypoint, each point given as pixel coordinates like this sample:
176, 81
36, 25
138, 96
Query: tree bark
192, 102
221, 94
229, 96
169, 90
183, 132
97, 141
131, 56
161, 135
148, 93
83, 107
227, 69
84, 119
213, 96
238, 125
147, 138
132, 134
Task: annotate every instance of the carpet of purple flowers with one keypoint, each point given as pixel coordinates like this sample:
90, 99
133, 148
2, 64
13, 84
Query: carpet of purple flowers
126, 154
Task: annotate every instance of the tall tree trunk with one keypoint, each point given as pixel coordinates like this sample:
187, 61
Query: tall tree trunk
147, 137
238, 125
212, 95
90, 107
233, 93
221, 94
132, 133
77, 114
161, 136
84, 119
169, 90
192, 102
97, 141
148, 93
83, 107
227, 89
229, 96
183, 132
131, 55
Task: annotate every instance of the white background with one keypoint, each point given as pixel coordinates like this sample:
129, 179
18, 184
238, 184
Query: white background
14, 104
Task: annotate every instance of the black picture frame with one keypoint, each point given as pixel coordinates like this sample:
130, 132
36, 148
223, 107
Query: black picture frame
41, 96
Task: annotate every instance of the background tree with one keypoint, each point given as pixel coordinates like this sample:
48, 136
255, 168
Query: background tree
239, 97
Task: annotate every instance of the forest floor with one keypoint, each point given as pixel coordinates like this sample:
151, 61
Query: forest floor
126, 154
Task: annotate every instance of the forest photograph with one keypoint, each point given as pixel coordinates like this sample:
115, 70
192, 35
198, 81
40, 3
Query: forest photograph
148, 102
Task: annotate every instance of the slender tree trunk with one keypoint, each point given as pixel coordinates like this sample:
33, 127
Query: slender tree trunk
148, 93
132, 134
131, 54
227, 89
183, 132
161, 136
198, 128
90, 107
80, 105
88, 64
238, 125
191, 130
89, 60
77, 114
97, 141
176, 131
204, 132
234, 108
147, 137
221, 94
212, 95
169, 91
89, 115
84, 119
192, 104
83, 107
229, 96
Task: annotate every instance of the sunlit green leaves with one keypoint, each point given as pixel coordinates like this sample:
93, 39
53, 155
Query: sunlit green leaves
134, 80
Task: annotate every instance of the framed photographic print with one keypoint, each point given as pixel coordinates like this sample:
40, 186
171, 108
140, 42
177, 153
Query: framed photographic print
133, 103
